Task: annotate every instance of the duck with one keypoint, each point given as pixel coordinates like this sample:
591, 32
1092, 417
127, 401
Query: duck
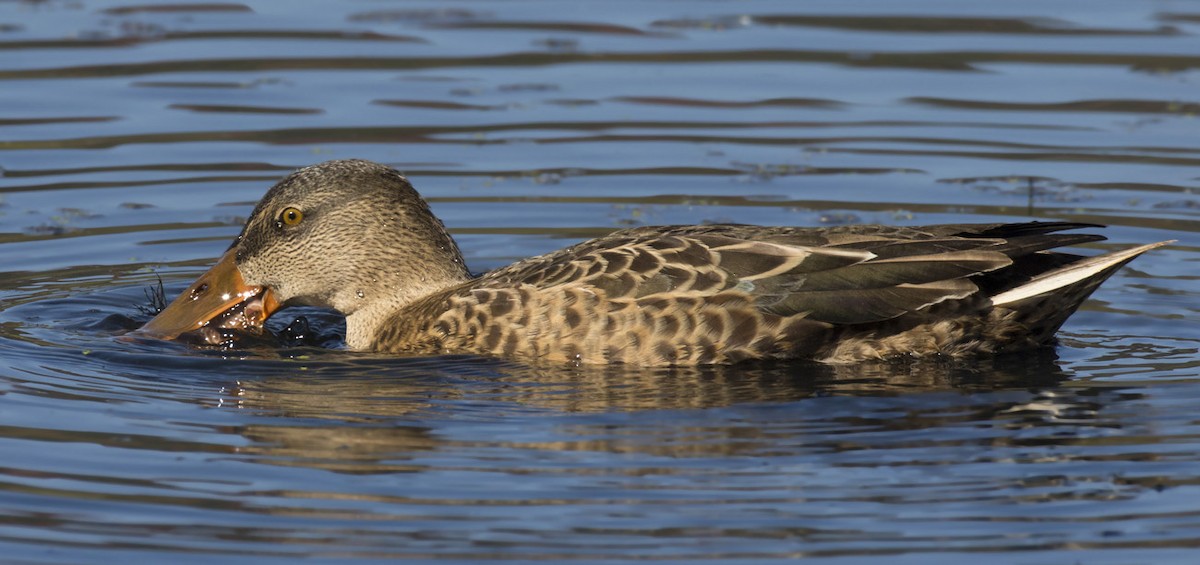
356, 237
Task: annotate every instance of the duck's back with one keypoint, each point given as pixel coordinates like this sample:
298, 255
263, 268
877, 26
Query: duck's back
723, 293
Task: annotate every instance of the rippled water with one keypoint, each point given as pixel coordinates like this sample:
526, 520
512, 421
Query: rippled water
135, 138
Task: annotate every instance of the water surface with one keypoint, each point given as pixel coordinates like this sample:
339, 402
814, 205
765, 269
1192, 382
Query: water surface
135, 138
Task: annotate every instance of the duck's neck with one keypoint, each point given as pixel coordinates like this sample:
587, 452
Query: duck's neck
418, 259
379, 302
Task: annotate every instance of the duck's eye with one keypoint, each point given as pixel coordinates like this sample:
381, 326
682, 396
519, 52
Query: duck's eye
291, 216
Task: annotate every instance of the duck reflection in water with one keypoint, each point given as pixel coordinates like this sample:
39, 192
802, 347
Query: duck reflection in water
371, 414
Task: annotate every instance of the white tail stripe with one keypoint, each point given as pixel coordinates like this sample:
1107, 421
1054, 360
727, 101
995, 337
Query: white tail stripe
1072, 274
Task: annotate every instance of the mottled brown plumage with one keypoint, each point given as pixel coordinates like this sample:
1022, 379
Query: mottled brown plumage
369, 247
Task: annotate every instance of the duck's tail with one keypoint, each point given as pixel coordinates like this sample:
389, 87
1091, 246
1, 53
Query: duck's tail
1044, 302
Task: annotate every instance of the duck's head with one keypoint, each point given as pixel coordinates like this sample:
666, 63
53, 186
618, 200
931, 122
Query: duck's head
349, 235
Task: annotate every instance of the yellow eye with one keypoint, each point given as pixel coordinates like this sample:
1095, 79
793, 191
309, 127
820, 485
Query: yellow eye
291, 216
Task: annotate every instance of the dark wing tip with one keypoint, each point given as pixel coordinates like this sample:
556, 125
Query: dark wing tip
1024, 229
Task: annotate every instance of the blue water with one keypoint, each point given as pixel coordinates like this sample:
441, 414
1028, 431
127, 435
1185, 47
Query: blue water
135, 139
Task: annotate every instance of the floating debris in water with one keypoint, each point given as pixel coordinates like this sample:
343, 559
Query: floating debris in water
157, 297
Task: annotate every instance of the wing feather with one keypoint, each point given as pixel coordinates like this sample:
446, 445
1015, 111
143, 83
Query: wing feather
843, 275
